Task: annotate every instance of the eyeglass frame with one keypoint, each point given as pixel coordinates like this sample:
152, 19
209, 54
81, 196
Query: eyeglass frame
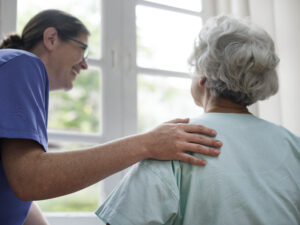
84, 45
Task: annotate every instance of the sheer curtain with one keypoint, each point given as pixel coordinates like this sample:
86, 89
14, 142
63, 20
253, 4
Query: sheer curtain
281, 20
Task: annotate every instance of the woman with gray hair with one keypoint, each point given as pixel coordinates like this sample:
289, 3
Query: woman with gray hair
237, 61
256, 178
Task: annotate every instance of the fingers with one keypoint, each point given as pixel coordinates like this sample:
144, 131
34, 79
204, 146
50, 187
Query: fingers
178, 120
200, 149
194, 128
191, 159
172, 141
203, 140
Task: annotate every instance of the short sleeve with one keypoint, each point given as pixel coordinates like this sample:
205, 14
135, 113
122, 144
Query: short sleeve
24, 90
148, 194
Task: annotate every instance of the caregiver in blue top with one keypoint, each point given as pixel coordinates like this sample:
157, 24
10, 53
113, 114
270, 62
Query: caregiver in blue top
49, 55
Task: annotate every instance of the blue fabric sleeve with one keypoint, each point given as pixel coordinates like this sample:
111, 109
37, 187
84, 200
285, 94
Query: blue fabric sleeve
24, 91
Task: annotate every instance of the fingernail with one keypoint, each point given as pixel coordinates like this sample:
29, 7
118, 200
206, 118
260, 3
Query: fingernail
219, 143
216, 152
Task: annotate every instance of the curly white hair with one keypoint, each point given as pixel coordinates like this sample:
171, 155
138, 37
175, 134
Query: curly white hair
237, 58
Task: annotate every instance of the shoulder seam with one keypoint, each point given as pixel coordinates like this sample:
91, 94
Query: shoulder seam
157, 175
18, 56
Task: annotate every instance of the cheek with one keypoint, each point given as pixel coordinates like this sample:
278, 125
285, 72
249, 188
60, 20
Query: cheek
77, 56
196, 92
194, 87
71, 56
192, 90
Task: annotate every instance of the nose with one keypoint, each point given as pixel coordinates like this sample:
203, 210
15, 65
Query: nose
83, 64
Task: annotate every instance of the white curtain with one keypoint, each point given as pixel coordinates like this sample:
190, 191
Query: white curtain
280, 18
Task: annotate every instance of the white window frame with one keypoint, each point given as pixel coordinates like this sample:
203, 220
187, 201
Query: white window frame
119, 80
8, 17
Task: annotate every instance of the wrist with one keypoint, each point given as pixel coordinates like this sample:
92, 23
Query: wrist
144, 143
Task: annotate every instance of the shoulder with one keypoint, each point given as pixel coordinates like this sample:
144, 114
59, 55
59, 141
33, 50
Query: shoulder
6, 55
290, 136
278, 129
144, 196
163, 173
233, 120
159, 168
22, 65
11, 58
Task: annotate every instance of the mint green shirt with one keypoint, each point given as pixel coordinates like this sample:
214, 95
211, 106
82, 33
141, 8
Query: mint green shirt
255, 180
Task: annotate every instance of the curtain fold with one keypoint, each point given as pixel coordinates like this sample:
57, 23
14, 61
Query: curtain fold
286, 20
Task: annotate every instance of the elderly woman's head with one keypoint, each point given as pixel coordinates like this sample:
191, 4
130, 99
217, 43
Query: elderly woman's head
237, 60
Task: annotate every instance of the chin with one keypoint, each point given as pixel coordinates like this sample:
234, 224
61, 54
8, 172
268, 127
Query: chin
68, 87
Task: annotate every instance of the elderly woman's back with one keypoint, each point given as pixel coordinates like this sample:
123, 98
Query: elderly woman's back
255, 180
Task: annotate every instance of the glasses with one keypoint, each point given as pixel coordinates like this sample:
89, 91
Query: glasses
84, 46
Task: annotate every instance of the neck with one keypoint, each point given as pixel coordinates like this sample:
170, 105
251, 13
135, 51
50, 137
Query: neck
221, 105
225, 106
41, 52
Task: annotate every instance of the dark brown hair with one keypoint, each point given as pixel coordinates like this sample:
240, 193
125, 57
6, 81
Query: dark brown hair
65, 24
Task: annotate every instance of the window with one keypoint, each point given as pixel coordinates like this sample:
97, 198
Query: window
137, 78
77, 112
165, 37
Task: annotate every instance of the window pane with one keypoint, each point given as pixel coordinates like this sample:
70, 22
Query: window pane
165, 39
79, 108
86, 200
88, 11
195, 5
164, 98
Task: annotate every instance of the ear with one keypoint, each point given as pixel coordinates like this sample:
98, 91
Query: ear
202, 81
50, 38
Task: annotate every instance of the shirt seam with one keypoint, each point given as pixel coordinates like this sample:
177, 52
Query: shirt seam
175, 196
21, 55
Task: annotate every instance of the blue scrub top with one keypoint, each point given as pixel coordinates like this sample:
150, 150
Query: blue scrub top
24, 93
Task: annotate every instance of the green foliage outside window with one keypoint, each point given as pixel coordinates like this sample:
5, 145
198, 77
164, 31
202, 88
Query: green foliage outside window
77, 109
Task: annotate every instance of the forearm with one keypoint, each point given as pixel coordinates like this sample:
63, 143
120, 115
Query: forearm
67, 172
34, 174
47, 175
